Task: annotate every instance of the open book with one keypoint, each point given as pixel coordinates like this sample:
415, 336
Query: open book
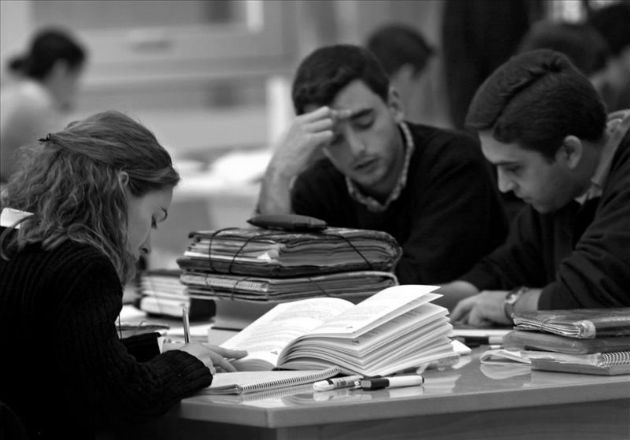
396, 329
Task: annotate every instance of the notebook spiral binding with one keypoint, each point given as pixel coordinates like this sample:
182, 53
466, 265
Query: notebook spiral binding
289, 382
614, 358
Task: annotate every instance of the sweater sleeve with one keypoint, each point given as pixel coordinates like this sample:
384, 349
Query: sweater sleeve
101, 376
143, 347
517, 262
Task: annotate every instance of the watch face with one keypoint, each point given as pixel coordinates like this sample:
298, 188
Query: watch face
512, 297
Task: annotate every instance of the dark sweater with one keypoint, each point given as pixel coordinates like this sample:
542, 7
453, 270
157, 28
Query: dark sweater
65, 371
447, 217
578, 255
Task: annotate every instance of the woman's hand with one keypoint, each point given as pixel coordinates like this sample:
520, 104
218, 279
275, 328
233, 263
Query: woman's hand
212, 356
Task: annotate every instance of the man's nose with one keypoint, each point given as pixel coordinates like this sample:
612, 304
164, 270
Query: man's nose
355, 143
505, 183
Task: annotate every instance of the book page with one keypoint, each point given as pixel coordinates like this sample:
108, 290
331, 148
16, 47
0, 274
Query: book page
265, 338
377, 309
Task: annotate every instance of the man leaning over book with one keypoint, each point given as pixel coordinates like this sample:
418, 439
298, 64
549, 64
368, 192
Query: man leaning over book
350, 159
544, 127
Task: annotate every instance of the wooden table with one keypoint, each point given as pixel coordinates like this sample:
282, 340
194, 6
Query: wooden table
472, 402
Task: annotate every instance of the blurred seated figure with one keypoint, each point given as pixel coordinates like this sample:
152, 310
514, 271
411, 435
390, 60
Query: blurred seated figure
404, 54
584, 46
47, 82
613, 23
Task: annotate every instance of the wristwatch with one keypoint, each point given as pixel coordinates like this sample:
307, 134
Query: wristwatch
511, 299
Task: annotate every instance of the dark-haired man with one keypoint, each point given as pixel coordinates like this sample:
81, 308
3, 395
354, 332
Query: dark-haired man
544, 127
429, 188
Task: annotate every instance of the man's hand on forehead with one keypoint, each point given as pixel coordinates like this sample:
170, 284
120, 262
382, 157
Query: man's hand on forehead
342, 114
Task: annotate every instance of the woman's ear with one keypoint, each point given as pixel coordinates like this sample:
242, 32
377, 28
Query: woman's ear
123, 178
395, 105
571, 151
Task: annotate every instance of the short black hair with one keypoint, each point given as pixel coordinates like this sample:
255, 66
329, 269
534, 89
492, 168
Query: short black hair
538, 98
396, 45
584, 46
47, 47
327, 70
612, 22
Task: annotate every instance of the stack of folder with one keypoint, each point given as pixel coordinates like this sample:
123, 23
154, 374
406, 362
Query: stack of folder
589, 341
161, 293
247, 271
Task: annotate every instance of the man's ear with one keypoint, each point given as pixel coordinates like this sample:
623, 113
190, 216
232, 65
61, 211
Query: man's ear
570, 152
395, 105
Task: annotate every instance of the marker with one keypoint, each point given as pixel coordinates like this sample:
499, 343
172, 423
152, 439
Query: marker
339, 382
476, 341
391, 382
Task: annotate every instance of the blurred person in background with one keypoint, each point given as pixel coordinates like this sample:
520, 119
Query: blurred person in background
477, 37
613, 23
404, 54
582, 43
46, 88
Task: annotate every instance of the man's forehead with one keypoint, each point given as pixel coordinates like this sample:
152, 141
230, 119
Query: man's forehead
500, 152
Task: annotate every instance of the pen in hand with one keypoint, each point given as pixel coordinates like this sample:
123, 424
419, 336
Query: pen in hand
186, 323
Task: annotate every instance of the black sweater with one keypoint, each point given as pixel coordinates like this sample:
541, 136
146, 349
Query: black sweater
64, 370
578, 255
447, 217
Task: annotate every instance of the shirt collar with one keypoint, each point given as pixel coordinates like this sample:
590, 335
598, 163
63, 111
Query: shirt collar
616, 132
370, 202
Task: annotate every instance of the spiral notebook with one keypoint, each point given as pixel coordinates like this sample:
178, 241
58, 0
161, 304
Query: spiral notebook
244, 382
607, 364
577, 323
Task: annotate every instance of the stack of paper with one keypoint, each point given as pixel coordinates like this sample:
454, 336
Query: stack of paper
267, 253
249, 270
162, 293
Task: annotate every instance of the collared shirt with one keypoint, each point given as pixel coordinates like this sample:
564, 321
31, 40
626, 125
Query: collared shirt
370, 202
603, 167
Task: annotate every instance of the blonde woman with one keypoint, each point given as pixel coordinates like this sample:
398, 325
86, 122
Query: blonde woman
88, 197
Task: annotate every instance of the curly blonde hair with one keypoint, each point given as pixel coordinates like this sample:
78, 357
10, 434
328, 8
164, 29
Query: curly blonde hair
72, 182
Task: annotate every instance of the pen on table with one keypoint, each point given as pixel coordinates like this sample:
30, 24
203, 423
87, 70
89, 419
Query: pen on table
377, 383
186, 324
338, 382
